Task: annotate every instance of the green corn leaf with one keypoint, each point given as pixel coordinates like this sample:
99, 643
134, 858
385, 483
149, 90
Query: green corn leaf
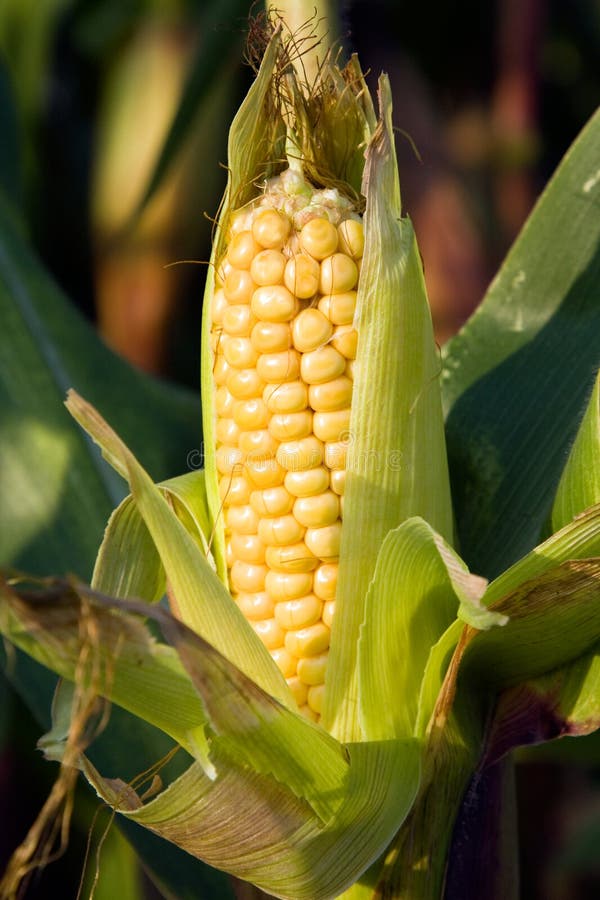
218, 43
579, 486
412, 599
518, 376
201, 599
10, 171
56, 493
128, 563
396, 464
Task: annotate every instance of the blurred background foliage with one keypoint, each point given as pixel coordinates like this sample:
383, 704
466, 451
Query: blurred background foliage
105, 103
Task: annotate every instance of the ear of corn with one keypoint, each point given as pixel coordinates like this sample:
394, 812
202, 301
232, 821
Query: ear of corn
292, 324
284, 347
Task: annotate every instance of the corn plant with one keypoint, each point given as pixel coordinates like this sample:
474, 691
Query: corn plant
330, 694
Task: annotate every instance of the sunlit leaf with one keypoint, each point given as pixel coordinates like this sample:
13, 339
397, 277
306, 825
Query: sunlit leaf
412, 599
518, 376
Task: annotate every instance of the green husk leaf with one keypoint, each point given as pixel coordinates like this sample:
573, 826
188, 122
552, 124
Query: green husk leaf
553, 619
579, 486
518, 376
396, 465
202, 600
411, 601
128, 563
258, 830
579, 540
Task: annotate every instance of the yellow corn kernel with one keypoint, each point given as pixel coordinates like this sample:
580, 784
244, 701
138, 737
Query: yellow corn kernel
286, 662
242, 250
267, 267
308, 713
224, 402
310, 330
227, 432
242, 518
351, 239
324, 542
345, 340
338, 480
328, 610
332, 426
335, 454
247, 578
244, 384
219, 307
228, 459
322, 365
221, 370
298, 613
271, 229
315, 698
339, 308
248, 548
271, 337
239, 353
338, 274
311, 669
291, 558
238, 320
273, 303
270, 633
264, 472
257, 606
301, 276
317, 510
299, 690
280, 531
274, 501
307, 482
305, 453
291, 426
331, 395
319, 238
325, 581
239, 287
310, 641
289, 397
257, 443
251, 413
234, 490
283, 586
275, 368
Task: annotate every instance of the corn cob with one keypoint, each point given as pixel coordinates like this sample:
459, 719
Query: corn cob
284, 345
